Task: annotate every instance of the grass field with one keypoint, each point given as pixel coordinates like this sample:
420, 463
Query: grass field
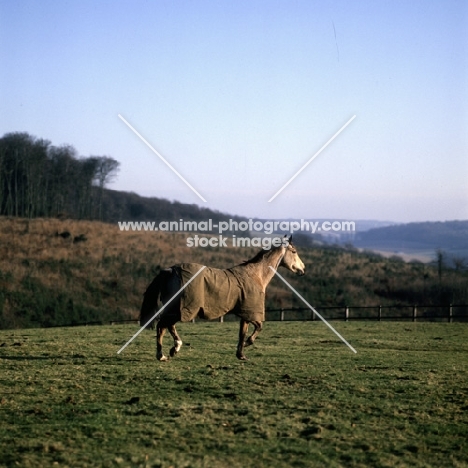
302, 400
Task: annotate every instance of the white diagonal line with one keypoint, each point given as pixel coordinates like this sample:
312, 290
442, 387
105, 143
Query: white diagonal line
313, 310
160, 157
312, 158
161, 309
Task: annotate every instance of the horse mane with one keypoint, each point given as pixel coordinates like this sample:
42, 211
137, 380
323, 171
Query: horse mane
259, 256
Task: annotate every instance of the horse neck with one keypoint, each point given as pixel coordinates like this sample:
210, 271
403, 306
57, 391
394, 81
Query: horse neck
262, 268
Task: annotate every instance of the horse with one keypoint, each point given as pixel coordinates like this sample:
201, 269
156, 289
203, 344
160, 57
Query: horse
214, 293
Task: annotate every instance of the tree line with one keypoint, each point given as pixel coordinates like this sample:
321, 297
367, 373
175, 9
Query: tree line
38, 179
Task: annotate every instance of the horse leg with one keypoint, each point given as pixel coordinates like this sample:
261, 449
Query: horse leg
177, 341
243, 329
258, 328
160, 332
170, 317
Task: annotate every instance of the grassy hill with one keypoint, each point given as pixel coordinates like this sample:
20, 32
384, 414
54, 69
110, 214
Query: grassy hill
60, 272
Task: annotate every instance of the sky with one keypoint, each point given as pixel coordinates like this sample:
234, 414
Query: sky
238, 95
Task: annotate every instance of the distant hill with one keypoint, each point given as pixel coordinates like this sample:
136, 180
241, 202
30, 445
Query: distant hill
129, 206
449, 236
413, 240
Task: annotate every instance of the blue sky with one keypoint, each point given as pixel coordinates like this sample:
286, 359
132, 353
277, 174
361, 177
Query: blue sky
238, 95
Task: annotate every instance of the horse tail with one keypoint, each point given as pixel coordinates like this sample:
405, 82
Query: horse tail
151, 298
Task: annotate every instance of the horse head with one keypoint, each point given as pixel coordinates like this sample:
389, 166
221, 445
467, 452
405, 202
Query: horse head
291, 259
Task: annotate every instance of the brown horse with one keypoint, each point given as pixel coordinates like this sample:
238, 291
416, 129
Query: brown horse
214, 292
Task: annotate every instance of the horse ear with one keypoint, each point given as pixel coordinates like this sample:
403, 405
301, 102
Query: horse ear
290, 239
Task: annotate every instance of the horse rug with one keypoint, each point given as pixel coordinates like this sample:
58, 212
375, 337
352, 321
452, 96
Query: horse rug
214, 293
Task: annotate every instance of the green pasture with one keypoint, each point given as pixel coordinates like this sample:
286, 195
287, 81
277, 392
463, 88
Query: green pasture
302, 400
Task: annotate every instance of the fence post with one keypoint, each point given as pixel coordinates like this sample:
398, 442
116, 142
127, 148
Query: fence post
380, 313
282, 315
347, 313
450, 317
221, 319
415, 312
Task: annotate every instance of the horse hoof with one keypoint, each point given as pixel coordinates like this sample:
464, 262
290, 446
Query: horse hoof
161, 358
172, 352
242, 358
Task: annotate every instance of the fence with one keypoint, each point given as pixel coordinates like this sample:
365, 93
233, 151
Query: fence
450, 313
429, 313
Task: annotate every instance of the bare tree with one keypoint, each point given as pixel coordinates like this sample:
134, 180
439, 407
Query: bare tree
106, 172
38, 179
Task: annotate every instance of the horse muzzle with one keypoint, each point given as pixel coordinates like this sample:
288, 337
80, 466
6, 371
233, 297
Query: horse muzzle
298, 271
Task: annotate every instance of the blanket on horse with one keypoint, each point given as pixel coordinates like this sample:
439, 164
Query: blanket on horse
214, 293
